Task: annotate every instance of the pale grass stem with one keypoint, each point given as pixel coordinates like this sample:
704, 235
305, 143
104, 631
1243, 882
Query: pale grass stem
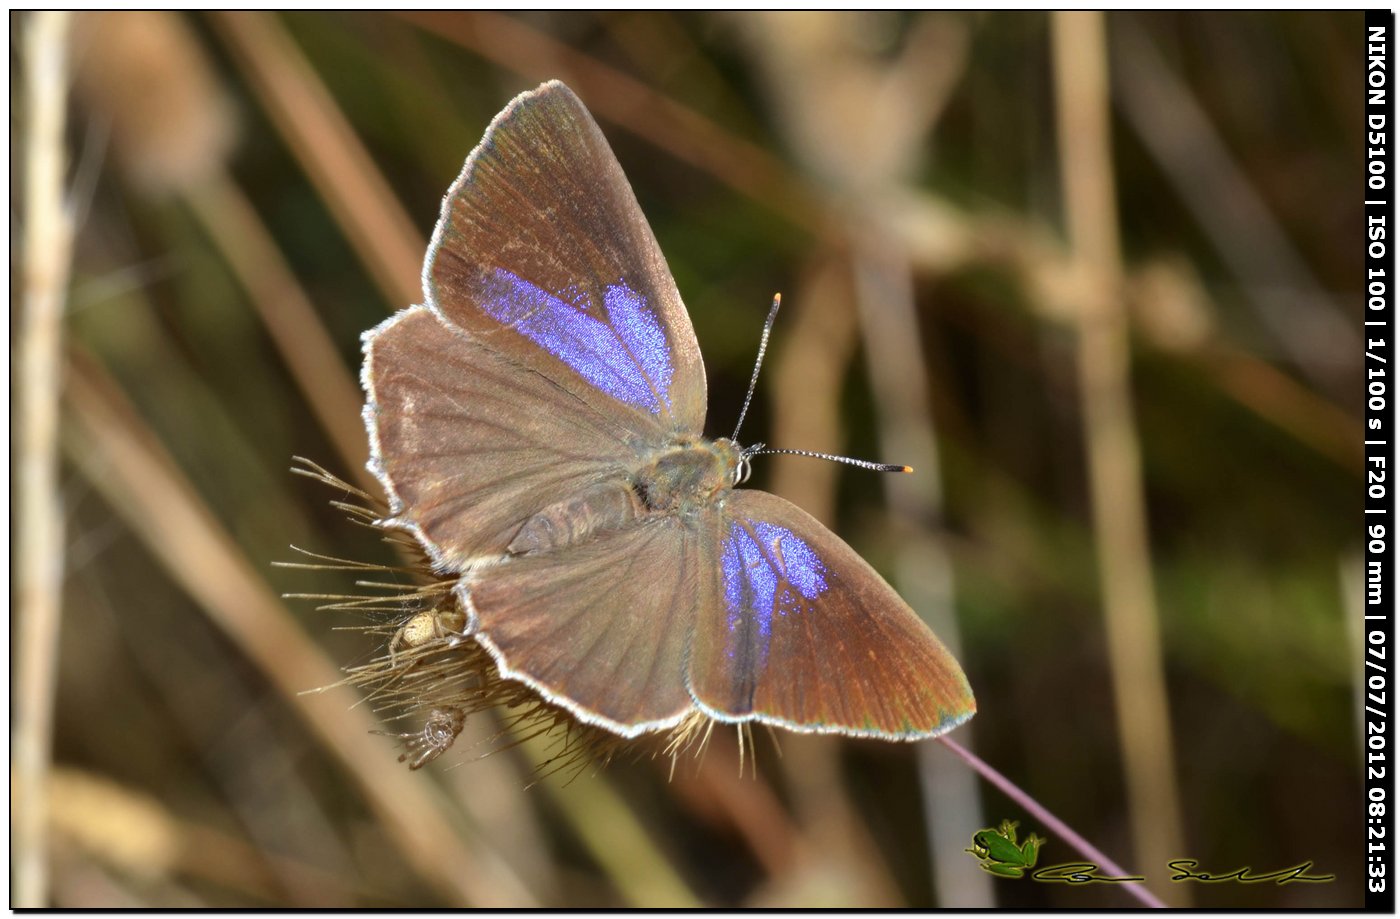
1111, 442
39, 533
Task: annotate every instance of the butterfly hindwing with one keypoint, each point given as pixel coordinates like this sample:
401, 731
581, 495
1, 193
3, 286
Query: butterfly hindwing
801, 633
599, 628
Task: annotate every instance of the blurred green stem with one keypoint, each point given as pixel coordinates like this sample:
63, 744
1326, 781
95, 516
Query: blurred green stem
39, 534
614, 837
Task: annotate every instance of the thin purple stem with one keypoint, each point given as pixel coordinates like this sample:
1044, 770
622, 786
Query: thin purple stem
1052, 823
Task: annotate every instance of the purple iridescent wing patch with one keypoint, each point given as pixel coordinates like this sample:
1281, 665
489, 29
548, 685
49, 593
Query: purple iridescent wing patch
768, 572
543, 255
626, 357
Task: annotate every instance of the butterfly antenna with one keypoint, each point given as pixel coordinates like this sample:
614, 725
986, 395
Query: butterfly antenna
758, 449
758, 364
864, 464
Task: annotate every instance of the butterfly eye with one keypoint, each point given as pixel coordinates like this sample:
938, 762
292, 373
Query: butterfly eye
743, 466
742, 470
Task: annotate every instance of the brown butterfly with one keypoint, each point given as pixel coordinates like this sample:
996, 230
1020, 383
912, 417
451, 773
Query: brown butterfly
538, 426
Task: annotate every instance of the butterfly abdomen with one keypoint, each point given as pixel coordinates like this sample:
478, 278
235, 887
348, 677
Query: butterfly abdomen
678, 480
605, 507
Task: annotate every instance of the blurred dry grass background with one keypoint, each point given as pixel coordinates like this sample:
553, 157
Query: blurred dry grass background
1095, 279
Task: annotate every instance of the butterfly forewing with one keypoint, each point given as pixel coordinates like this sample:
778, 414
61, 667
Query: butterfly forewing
543, 255
464, 465
801, 633
554, 348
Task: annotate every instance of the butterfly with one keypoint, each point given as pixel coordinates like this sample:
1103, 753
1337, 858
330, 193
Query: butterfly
537, 425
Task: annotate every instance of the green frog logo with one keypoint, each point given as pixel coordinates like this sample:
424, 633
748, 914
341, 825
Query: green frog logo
1000, 853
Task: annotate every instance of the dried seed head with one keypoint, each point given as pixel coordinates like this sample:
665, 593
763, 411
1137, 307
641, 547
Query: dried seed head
434, 674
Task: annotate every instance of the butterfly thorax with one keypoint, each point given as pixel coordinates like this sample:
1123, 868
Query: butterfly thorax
678, 480
687, 476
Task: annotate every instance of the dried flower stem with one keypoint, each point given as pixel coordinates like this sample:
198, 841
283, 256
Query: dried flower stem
1052, 823
39, 534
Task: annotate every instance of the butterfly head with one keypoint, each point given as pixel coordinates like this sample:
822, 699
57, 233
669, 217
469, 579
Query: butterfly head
734, 460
